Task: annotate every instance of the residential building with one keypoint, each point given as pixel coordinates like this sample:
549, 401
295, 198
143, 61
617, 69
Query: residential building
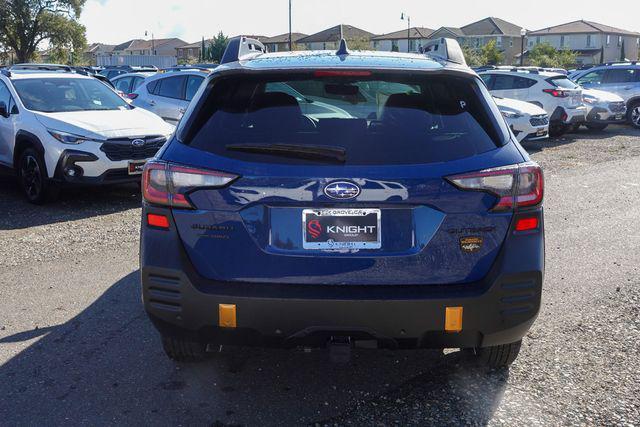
477, 34
192, 51
97, 49
281, 43
329, 39
593, 42
397, 41
159, 47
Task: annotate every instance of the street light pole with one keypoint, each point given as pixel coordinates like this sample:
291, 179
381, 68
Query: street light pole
402, 17
523, 33
290, 38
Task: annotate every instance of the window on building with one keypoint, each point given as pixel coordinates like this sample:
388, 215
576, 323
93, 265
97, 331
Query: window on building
499, 41
588, 40
608, 39
561, 41
538, 40
376, 44
619, 40
510, 42
394, 45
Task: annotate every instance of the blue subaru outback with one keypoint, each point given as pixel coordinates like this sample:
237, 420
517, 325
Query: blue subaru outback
343, 199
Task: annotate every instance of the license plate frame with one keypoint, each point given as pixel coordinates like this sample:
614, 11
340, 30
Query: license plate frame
135, 167
347, 242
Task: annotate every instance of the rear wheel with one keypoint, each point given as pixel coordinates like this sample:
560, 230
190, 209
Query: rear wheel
33, 178
597, 126
183, 350
633, 114
499, 356
557, 129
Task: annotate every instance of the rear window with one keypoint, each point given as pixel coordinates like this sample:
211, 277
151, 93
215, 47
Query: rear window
379, 119
562, 82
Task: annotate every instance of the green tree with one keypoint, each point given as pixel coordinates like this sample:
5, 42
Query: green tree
545, 55
24, 24
217, 47
490, 54
358, 43
472, 56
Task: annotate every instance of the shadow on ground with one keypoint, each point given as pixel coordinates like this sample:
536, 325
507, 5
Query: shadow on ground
106, 366
73, 204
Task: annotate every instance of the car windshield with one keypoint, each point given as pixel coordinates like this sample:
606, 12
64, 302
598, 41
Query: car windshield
52, 95
386, 118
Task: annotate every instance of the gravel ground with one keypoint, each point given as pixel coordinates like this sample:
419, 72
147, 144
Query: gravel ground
76, 347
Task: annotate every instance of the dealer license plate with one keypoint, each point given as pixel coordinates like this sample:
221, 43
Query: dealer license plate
341, 229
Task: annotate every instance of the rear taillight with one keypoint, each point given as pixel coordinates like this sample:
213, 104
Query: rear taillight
556, 93
516, 186
168, 184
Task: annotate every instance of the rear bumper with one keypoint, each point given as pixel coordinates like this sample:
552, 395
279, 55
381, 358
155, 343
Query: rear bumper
501, 314
497, 310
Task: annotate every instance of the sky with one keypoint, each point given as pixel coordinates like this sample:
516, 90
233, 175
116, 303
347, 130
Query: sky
115, 21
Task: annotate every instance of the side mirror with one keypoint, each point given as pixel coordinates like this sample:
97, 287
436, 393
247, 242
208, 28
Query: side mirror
3, 110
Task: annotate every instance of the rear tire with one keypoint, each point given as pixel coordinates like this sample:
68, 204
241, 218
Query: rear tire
596, 126
558, 129
34, 181
499, 356
633, 114
183, 350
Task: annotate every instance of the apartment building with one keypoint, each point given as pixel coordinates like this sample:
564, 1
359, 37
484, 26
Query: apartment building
594, 42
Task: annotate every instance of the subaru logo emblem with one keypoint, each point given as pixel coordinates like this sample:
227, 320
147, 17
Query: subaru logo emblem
342, 190
137, 142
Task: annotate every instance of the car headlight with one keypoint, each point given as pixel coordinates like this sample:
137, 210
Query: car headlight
511, 114
67, 138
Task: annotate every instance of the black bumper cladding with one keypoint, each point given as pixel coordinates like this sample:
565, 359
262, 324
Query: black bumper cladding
394, 316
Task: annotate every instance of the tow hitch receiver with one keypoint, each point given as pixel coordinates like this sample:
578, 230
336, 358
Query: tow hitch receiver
340, 349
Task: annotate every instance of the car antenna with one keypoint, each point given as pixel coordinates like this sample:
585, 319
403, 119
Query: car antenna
342, 49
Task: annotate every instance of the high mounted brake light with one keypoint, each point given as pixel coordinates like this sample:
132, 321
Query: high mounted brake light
168, 184
348, 73
516, 186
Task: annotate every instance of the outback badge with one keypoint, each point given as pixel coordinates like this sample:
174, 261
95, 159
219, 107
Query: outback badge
471, 244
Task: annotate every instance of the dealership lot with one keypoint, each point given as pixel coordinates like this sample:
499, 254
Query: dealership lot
76, 346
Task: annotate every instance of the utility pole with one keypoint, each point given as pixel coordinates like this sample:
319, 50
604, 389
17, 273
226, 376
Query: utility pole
290, 38
402, 17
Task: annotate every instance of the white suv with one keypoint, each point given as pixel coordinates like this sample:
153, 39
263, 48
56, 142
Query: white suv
66, 128
553, 92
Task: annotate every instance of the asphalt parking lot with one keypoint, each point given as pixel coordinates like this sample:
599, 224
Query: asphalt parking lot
77, 348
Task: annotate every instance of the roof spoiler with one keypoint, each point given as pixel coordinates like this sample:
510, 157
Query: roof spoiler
445, 50
242, 48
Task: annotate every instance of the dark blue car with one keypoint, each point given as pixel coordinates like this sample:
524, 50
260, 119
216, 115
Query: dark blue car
343, 199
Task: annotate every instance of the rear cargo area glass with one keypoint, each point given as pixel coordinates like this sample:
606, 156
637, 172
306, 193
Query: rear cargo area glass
380, 119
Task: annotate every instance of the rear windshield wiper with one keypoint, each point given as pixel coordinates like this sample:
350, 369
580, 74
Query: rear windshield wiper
310, 152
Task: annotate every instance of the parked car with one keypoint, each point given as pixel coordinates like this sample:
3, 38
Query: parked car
62, 128
603, 109
113, 71
126, 84
554, 92
418, 226
168, 95
620, 78
527, 121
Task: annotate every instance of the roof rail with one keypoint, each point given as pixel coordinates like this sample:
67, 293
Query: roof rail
5, 72
42, 67
444, 49
242, 47
621, 63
